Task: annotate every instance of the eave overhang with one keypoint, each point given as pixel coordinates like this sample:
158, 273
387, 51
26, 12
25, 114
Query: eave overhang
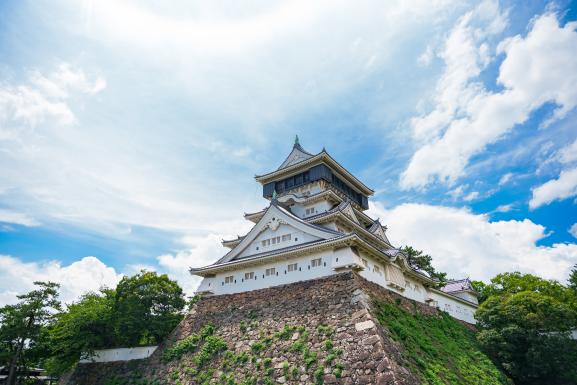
273, 255
322, 157
454, 297
340, 215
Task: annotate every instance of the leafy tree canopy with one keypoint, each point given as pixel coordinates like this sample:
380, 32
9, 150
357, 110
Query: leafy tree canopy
147, 307
525, 322
22, 326
421, 261
87, 325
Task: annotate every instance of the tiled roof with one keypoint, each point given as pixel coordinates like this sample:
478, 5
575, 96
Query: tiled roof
458, 285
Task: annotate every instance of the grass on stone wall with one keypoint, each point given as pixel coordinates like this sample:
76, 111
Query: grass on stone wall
439, 349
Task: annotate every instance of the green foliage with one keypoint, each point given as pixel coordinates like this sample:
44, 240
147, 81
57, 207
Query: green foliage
325, 330
148, 307
285, 368
310, 358
243, 327
295, 373
328, 345
338, 370
439, 349
330, 358
285, 333
513, 283
267, 362
318, 375
297, 346
257, 347
188, 344
87, 325
573, 279
22, 327
424, 262
527, 332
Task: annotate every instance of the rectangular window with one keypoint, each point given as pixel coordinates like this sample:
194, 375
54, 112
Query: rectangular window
274, 241
292, 267
278, 239
316, 262
249, 275
310, 211
229, 279
286, 237
271, 271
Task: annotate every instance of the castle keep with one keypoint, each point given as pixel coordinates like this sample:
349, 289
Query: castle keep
316, 226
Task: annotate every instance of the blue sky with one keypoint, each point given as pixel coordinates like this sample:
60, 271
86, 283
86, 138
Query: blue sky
130, 132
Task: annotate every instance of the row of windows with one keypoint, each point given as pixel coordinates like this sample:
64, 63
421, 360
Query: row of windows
292, 181
276, 240
344, 187
377, 270
317, 262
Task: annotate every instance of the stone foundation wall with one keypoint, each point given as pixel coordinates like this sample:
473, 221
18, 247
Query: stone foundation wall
311, 332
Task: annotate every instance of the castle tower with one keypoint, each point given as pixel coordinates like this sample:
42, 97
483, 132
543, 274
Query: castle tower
315, 226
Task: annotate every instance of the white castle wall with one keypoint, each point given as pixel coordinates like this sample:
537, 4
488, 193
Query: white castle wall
332, 261
304, 272
120, 354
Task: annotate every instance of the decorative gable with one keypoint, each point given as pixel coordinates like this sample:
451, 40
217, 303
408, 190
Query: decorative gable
349, 212
277, 229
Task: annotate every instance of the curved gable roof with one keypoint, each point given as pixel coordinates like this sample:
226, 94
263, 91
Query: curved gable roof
273, 216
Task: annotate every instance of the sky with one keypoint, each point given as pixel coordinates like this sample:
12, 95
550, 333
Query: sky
131, 131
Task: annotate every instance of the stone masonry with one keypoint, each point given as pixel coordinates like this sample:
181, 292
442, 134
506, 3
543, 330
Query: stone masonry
336, 309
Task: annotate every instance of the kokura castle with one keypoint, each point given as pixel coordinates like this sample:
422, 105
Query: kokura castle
314, 226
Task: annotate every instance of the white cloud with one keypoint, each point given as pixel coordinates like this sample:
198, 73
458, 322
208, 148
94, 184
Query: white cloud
466, 244
556, 189
9, 216
568, 153
44, 97
573, 230
505, 178
474, 117
201, 251
87, 274
471, 196
504, 208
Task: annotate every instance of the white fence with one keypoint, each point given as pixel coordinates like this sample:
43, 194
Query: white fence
120, 354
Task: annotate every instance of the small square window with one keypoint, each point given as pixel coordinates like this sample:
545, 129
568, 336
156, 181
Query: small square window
316, 262
229, 279
292, 267
249, 275
271, 271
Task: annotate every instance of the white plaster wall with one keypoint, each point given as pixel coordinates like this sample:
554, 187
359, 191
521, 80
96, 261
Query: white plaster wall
319, 207
261, 281
413, 289
454, 307
467, 296
121, 354
331, 261
297, 237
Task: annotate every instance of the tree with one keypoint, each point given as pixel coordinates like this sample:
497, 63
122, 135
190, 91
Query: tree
21, 325
573, 279
481, 288
87, 325
418, 260
147, 308
527, 334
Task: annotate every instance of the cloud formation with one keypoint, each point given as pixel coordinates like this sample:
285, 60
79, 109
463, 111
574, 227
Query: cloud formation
86, 274
466, 244
537, 69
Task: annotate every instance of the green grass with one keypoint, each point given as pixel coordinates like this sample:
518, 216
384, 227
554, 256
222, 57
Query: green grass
439, 349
